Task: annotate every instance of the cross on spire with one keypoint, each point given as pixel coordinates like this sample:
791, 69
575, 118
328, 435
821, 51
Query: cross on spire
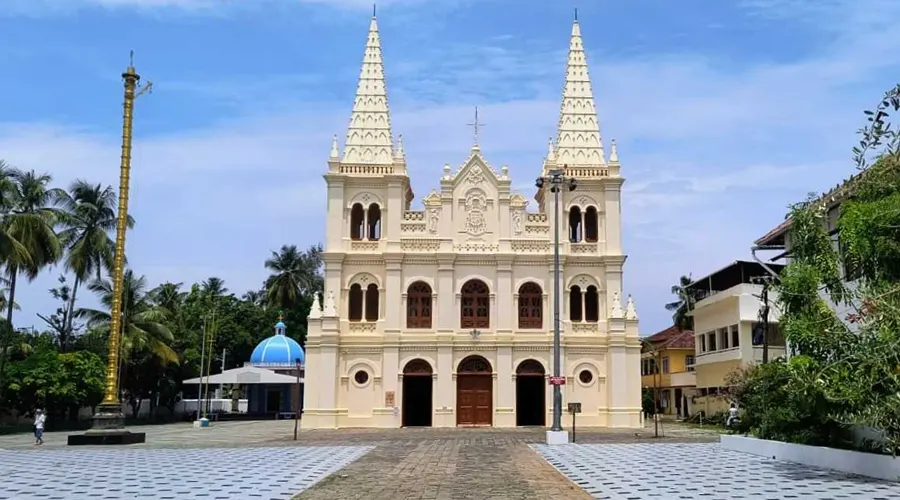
476, 126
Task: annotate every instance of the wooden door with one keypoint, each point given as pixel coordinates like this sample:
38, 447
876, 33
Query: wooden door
474, 400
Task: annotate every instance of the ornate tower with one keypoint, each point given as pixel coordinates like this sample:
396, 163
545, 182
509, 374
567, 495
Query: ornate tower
368, 187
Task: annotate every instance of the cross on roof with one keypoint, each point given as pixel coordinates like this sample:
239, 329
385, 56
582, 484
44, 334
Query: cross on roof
476, 125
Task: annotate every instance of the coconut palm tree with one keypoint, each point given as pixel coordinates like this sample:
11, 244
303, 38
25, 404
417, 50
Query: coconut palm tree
683, 305
30, 221
294, 274
86, 219
143, 322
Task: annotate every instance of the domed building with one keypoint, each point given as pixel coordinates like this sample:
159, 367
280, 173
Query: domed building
284, 356
272, 381
278, 352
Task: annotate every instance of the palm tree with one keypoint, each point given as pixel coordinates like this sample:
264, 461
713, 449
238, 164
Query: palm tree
10, 248
88, 215
143, 323
683, 305
169, 296
30, 222
294, 274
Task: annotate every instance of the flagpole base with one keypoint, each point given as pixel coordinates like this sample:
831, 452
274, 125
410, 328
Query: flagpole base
108, 429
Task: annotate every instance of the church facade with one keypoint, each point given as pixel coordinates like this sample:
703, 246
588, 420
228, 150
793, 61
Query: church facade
444, 316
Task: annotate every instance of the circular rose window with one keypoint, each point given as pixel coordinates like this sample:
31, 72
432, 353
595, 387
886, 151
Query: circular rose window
586, 377
361, 377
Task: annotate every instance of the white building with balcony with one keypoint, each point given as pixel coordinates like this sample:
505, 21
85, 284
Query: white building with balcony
728, 328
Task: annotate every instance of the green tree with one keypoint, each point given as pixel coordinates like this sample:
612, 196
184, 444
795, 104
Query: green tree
28, 241
61, 321
143, 322
294, 274
683, 305
845, 370
86, 219
30, 222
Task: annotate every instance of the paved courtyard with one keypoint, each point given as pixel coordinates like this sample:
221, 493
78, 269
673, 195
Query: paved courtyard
701, 470
243, 460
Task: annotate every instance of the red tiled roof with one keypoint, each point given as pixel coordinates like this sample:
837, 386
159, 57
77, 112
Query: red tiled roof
672, 338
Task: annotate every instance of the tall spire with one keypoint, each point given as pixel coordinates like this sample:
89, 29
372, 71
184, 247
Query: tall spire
369, 138
578, 141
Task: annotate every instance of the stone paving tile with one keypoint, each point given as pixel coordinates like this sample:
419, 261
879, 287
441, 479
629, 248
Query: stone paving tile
469, 464
641, 471
208, 473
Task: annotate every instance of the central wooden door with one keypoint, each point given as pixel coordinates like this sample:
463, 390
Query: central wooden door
474, 393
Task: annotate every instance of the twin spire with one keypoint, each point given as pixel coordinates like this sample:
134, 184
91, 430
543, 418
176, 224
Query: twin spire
370, 140
578, 141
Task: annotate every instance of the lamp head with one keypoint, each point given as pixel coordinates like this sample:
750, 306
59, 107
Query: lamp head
539, 183
573, 184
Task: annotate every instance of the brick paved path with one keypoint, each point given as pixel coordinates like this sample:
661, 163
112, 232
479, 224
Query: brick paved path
438, 464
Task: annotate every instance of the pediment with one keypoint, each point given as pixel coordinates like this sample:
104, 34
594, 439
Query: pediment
475, 171
433, 199
517, 201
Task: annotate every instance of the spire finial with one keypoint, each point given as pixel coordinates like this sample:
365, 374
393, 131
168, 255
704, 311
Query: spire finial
131, 58
374, 9
576, 14
476, 126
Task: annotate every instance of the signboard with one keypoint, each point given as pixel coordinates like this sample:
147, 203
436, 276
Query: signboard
574, 408
557, 380
389, 399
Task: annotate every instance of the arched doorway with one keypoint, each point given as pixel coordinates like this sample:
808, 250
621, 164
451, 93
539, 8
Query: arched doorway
474, 392
418, 390
531, 407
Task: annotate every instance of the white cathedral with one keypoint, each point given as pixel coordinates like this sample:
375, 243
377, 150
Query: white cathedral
444, 316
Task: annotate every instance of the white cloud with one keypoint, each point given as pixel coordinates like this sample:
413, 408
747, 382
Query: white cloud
712, 156
45, 7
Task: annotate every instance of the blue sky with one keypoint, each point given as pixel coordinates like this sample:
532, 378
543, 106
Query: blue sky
724, 112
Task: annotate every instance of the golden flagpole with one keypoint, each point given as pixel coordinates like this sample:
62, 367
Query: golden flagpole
109, 421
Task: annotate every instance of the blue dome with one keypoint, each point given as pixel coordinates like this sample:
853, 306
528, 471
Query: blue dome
277, 351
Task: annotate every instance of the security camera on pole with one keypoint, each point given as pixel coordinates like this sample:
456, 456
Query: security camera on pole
556, 179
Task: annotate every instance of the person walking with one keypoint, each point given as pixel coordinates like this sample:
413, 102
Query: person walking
39, 420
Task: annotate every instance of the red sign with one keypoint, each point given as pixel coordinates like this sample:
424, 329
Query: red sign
557, 380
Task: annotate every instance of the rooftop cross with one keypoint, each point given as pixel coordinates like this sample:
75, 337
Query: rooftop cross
476, 125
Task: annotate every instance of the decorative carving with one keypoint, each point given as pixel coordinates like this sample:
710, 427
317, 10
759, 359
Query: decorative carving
329, 311
584, 328
476, 204
475, 175
474, 364
434, 216
583, 281
517, 222
315, 312
630, 312
616, 310
419, 245
362, 327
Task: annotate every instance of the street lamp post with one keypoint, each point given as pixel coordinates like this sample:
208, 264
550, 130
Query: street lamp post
556, 179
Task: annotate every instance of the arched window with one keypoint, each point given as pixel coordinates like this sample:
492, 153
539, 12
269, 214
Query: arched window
418, 305
591, 225
374, 218
372, 302
575, 301
591, 305
475, 307
357, 221
575, 226
531, 306
356, 302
